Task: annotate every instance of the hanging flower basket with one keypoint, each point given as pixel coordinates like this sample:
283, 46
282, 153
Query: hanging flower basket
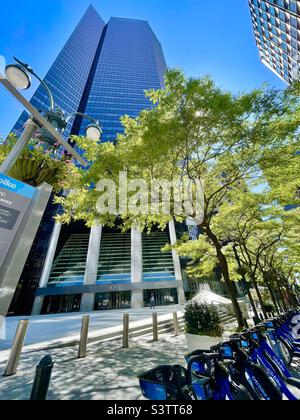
40, 164
35, 171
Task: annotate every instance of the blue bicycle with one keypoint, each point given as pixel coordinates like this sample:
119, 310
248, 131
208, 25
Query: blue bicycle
258, 364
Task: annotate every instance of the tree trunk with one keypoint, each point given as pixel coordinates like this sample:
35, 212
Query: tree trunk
289, 297
274, 299
290, 293
225, 271
247, 285
272, 294
252, 303
281, 294
259, 296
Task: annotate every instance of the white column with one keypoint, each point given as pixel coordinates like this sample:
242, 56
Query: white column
137, 297
39, 300
177, 264
91, 271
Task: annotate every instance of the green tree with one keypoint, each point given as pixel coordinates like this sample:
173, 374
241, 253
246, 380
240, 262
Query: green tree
199, 131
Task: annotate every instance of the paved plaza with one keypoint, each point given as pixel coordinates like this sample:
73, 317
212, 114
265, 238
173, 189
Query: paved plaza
108, 373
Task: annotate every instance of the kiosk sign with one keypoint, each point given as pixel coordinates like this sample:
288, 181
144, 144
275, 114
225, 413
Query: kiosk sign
15, 198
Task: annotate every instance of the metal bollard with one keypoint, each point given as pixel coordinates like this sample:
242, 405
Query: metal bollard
42, 379
155, 326
13, 362
176, 324
126, 331
84, 337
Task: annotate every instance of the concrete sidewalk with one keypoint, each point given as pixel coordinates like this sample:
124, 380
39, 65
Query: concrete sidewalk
108, 373
143, 327
64, 327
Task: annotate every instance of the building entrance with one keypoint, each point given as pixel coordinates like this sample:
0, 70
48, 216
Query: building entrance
112, 301
163, 297
61, 304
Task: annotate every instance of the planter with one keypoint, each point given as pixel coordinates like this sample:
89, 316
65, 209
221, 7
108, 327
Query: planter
201, 342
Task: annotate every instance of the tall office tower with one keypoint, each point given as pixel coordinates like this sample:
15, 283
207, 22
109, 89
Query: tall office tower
130, 61
277, 30
103, 71
68, 76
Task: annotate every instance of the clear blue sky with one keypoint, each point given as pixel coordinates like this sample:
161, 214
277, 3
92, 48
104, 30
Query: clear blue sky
212, 37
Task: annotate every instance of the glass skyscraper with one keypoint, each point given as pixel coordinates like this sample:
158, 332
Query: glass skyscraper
67, 78
277, 31
103, 71
130, 61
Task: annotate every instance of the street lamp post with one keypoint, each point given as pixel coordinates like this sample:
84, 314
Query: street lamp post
30, 129
51, 126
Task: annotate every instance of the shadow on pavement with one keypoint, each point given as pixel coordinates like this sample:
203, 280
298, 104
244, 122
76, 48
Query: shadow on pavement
108, 372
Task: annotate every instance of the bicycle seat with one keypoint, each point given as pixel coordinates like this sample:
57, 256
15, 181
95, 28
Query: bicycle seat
198, 353
203, 354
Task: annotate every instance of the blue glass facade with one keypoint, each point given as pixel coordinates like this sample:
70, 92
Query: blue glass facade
277, 31
67, 78
103, 71
131, 61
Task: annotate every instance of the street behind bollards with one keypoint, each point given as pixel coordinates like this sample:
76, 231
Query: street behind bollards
126, 331
84, 337
13, 362
42, 380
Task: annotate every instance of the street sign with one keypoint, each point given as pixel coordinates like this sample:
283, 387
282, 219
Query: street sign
15, 198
